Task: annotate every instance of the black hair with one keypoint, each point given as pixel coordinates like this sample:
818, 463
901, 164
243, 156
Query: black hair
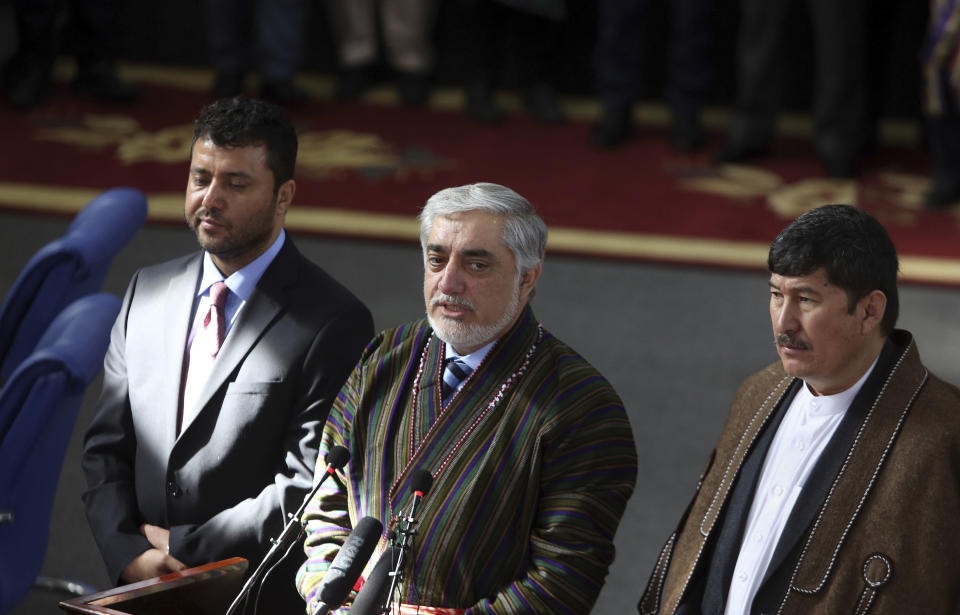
243, 122
850, 245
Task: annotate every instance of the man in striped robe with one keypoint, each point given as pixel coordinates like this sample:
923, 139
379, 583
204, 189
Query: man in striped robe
531, 454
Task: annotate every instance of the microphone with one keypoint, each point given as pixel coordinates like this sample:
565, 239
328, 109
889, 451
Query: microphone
336, 458
421, 481
347, 565
374, 596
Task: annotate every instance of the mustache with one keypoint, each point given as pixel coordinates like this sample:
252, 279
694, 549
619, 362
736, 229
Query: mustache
453, 299
207, 214
789, 339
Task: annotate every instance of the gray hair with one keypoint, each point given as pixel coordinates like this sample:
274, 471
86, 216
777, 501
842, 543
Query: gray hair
524, 232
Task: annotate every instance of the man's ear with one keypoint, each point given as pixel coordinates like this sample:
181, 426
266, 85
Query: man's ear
528, 280
872, 308
285, 196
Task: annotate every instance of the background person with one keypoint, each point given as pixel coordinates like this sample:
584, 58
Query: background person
263, 35
90, 34
407, 29
839, 93
619, 62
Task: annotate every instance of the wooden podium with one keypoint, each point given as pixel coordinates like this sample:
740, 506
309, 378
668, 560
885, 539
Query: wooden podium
204, 590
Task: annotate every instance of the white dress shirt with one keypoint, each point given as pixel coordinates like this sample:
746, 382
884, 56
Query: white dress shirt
807, 427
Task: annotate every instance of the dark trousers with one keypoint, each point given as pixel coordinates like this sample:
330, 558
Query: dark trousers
943, 133
90, 29
496, 39
840, 84
619, 57
266, 35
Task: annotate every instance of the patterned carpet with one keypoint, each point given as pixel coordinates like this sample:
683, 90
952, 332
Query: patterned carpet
365, 169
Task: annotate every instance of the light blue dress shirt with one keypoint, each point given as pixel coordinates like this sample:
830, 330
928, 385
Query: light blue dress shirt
241, 284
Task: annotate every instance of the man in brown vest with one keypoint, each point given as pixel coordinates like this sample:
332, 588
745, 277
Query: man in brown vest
833, 488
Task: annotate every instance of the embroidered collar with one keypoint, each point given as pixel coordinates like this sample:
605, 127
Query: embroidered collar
501, 391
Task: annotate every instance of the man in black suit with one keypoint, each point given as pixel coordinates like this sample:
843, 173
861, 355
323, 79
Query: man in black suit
221, 369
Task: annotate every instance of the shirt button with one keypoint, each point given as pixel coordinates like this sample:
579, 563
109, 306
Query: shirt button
798, 444
743, 576
758, 538
173, 489
778, 491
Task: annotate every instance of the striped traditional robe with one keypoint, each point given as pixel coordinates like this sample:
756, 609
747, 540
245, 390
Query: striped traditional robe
527, 493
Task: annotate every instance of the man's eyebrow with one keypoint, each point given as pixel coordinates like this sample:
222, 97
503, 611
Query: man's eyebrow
810, 290
470, 252
230, 174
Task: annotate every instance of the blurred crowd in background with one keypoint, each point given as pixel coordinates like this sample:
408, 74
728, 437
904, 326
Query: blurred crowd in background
747, 55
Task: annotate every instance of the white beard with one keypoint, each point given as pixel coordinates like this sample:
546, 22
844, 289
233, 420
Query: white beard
460, 335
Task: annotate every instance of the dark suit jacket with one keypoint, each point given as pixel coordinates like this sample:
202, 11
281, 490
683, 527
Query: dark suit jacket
872, 532
225, 485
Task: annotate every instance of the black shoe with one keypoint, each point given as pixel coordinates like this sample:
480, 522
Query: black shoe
282, 92
354, 82
686, 131
413, 89
543, 105
100, 80
227, 84
612, 129
27, 82
736, 153
481, 106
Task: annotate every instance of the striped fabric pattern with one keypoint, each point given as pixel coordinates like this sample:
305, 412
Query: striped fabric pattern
941, 58
521, 519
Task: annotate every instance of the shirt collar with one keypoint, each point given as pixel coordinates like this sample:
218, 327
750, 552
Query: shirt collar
474, 358
838, 402
244, 280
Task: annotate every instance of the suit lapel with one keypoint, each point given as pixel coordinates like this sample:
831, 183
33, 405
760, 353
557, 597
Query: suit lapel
737, 509
748, 432
176, 311
265, 304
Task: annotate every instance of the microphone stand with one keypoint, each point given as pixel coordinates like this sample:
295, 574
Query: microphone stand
407, 531
292, 527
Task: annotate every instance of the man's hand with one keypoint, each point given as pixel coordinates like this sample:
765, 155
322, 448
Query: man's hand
149, 564
158, 536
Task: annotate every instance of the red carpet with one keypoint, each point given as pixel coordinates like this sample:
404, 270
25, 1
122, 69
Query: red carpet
365, 169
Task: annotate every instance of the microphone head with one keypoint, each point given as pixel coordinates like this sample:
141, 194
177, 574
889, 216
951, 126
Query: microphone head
421, 481
337, 457
349, 562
